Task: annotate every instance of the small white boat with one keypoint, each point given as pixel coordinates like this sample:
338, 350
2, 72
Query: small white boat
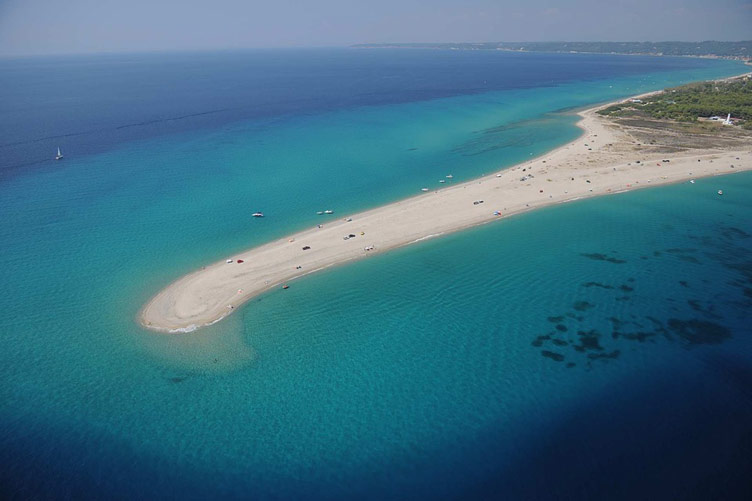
59, 155
442, 181
328, 212
449, 176
258, 214
692, 181
424, 189
320, 212
720, 192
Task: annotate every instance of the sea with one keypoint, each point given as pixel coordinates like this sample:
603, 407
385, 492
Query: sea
600, 349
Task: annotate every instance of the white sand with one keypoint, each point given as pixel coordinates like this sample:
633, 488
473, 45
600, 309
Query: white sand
604, 155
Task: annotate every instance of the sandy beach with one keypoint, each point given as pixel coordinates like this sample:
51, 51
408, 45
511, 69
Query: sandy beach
606, 159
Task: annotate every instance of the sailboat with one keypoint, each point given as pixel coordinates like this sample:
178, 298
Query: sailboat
59, 155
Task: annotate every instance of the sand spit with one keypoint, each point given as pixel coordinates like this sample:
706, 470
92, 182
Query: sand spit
605, 159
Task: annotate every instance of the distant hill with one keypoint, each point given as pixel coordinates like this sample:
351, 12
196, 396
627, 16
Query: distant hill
736, 50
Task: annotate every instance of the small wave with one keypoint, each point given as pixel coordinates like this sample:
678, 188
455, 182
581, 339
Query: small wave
46, 138
190, 328
170, 119
126, 126
432, 235
571, 200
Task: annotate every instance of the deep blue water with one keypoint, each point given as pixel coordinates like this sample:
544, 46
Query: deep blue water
90, 104
595, 350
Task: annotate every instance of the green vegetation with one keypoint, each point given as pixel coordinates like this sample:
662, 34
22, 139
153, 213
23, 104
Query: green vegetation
739, 50
690, 102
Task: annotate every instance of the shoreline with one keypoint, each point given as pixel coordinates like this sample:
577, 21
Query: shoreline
532, 51
603, 160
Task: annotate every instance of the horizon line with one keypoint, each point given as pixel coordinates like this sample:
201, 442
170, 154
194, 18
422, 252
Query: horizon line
303, 47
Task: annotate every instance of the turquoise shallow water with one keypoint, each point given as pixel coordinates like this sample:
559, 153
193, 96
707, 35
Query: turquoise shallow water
439, 369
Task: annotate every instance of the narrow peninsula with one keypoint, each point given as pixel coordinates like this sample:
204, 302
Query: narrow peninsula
623, 146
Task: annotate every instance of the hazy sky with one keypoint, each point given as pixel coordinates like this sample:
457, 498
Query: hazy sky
60, 26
